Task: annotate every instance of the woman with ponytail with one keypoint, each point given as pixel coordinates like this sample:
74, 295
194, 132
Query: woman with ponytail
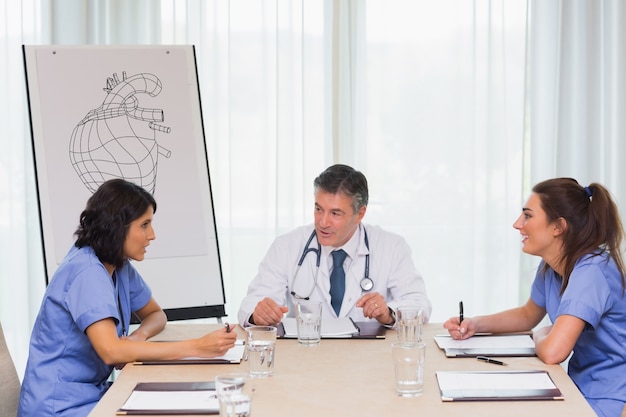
580, 284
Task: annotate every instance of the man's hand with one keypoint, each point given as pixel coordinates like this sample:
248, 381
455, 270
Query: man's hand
375, 307
268, 313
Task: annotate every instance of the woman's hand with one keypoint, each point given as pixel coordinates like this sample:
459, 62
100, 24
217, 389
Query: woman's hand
215, 343
460, 330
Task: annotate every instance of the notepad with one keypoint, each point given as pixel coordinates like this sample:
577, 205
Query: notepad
233, 356
341, 327
497, 386
171, 398
487, 345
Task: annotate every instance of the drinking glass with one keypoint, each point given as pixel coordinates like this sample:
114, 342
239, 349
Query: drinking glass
261, 346
408, 362
409, 323
309, 323
234, 393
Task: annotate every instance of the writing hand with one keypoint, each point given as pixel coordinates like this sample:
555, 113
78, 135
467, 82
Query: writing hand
458, 330
216, 343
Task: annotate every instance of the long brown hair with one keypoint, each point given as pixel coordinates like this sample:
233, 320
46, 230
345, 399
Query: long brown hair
593, 221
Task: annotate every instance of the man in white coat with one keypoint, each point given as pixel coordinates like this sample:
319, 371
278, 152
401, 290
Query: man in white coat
376, 276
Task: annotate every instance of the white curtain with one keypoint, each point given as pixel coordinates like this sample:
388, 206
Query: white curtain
576, 95
264, 76
265, 86
577, 92
439, 121
21, 262
451, 108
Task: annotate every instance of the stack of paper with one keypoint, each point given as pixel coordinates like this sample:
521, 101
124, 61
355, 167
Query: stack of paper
487, 345
234, 355
331, 327
171, 398
497, 385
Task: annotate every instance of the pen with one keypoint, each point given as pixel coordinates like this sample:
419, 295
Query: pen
358, 330
489, 360
460, 312
227, 328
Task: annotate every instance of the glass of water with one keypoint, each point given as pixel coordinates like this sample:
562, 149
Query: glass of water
261, 346
409, 324
309, 323
236, 405
234, 392
408, 363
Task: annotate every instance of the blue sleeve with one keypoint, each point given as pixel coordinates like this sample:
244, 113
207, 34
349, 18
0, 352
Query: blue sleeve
90, 297
587, 295
538, 289
140, 292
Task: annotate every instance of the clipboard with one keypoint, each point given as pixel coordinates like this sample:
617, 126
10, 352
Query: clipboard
171, 398
487, 345
363, 330
533, 385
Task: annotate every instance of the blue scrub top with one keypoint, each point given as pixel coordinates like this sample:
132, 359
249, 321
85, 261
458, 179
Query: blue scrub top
594, 294
64, 375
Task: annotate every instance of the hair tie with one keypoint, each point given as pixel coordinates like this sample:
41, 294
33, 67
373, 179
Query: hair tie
589, 192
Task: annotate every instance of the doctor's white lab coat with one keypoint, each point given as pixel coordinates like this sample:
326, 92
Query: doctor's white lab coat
390, 267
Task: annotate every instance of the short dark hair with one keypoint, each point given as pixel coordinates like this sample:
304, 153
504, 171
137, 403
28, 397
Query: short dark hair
109, 212
344, 179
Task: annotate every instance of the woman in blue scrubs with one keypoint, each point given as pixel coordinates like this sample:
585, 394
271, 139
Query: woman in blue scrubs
80, 333
580, 284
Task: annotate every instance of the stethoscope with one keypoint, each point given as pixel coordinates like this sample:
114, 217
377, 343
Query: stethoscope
366, 282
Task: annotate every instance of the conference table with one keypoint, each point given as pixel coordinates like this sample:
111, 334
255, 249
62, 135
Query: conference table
348, 377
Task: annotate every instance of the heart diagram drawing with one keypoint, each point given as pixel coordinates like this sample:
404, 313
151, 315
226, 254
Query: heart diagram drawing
119, 138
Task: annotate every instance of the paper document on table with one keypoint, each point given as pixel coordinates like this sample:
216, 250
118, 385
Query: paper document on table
234, 355
331, 327
497, 385
487, 345
171, 398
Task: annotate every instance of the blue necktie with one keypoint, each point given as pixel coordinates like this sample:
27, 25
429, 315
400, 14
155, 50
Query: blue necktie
337, 280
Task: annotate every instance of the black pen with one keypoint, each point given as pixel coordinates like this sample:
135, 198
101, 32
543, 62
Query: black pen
227, 328
489, 360
358, 330
460, 312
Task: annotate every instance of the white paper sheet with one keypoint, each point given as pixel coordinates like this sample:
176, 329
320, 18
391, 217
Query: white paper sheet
331, 327
494, 380
486, 342
234, 354
171, 400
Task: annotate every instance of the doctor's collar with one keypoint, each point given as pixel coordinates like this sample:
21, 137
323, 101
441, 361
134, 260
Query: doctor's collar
351, 247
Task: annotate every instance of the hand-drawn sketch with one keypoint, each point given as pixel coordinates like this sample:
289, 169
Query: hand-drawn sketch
83, 136
118, 139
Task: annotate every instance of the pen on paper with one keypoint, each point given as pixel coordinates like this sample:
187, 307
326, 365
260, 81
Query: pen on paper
227, 328
489, 360
460, 317
358, 330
